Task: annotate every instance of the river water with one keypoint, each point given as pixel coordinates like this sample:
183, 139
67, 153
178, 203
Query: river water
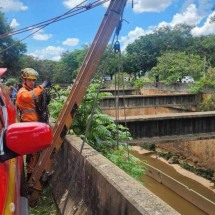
170, 197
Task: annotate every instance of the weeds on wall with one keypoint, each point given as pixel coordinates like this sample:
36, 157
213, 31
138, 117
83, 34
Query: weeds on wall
208, 174
129, 163
208, 104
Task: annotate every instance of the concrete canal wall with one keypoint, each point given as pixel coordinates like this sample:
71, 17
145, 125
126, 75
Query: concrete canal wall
182, 190
98, 186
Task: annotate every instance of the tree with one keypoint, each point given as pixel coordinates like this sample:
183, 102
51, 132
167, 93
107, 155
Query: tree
9, 57
204, 46
45, 68
67, 68
142, 53
174, 65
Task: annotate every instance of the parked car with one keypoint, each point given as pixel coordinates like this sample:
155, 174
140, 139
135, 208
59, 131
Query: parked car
187, 79
16, 139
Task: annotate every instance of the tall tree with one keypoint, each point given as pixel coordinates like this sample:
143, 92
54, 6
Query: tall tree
204, 46
174, 65
9, 57
67, 68
142, 54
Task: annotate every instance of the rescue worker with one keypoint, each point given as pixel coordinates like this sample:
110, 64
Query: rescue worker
25, 101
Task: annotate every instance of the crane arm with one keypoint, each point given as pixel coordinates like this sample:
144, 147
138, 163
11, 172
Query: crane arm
109, 23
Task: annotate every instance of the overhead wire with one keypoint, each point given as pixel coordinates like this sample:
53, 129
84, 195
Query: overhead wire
36, 26
68, 14
44, 24
88, 125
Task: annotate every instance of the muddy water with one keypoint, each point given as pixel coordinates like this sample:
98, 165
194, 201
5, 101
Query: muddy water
167, 195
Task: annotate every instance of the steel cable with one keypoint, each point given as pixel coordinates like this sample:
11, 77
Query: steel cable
41, 25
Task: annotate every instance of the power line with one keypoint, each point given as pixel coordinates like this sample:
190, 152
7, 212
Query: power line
74, 11
41, 24
78, 9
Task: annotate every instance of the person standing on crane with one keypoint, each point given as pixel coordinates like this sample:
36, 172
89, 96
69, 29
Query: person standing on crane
25, 101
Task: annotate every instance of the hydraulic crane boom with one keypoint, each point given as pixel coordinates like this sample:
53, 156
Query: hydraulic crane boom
109, 23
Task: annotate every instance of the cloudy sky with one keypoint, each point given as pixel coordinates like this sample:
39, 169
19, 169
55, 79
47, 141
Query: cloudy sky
75, 31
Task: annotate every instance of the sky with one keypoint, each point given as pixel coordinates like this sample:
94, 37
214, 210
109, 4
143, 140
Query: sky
74, 32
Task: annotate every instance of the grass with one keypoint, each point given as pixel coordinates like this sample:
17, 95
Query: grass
46, 204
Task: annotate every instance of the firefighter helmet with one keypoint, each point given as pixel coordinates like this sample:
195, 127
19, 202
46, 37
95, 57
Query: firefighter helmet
29, 73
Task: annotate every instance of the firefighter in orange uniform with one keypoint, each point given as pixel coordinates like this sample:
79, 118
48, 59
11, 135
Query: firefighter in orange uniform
25, 102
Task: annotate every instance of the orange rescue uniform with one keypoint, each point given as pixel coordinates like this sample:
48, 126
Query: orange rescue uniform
25, 102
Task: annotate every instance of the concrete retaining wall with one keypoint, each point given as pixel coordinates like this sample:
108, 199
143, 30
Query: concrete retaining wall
141, 111
160, 100
99, 187
170, 124
182, 190
129, 91
151, 88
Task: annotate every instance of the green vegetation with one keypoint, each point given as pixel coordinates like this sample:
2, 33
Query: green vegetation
208, 104
173, 66
104, 134
207, 81
46, 205
149, 146
130, 164
166, 54
11, 58
166, 155
139, 83
208, 174
205, 173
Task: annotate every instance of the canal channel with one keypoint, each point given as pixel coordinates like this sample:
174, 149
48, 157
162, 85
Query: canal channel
170, 196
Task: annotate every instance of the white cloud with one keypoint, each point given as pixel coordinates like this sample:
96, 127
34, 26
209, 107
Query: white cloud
203, 6
41, 36
193, 16
50, 52
190, 16
207, 28
71, 42
14, 23
12, 5
132, 36
141, 6
71, 3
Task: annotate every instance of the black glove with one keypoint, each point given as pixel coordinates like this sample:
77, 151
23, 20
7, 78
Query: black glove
46, 83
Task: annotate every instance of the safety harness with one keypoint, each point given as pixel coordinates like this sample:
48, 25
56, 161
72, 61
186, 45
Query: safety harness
41, 105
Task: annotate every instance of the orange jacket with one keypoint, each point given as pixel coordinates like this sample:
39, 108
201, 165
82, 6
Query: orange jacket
25, 103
